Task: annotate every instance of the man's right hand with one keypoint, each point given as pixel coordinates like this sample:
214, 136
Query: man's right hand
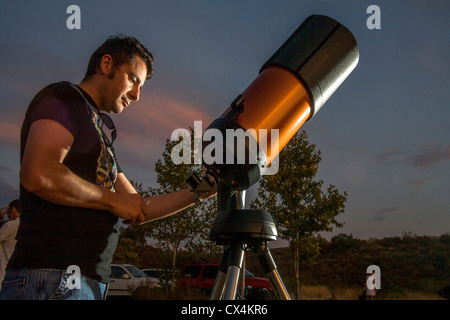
129, 207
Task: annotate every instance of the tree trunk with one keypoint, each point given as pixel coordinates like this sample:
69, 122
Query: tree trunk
174, 264
297, 267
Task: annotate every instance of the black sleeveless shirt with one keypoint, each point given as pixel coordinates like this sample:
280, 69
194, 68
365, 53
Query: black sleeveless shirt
56, 236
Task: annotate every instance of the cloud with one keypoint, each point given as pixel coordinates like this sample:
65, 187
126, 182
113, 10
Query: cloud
382, 214
10, 133
389, 155
429, 156
144, 128
419, 182
164, 112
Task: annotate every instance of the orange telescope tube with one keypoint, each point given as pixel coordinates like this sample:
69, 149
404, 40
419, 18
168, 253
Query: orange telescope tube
275, 100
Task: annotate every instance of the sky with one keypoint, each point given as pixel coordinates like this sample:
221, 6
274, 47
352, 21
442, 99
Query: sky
384, 134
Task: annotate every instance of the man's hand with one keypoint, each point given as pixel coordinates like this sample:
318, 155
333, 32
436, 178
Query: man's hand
3, 212
208, 194
129, 207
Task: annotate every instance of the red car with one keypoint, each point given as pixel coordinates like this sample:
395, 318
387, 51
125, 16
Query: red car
204, 275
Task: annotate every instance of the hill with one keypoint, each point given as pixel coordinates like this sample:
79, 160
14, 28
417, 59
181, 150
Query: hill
409, 263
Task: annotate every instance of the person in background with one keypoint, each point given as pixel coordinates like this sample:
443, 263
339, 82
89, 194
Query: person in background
370, 287
3, 216
8, 231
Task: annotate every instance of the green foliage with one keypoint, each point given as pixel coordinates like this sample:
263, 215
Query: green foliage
343, 242
126, 252
445, 238
407, 263
413, 264
301, 207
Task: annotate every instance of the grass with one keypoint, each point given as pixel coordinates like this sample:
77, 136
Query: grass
320, 292
147, 293
308, 292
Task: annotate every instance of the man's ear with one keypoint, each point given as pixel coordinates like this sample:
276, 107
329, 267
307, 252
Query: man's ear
106, 64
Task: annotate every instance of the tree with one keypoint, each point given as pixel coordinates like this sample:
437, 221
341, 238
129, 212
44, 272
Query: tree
188, 229
132, 242
126, 252
299, 206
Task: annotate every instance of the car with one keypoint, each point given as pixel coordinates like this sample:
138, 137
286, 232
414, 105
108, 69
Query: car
125, 278
164, 276
203, 276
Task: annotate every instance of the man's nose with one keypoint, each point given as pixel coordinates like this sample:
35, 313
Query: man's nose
134, 94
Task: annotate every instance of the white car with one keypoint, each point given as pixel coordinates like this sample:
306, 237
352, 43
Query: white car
125, 278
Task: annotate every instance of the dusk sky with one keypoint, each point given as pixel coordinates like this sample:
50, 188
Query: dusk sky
384, 134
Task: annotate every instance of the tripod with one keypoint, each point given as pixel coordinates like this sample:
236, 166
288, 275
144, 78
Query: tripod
240, 230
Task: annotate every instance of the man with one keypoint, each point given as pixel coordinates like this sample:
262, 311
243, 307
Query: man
72, 188
8, 232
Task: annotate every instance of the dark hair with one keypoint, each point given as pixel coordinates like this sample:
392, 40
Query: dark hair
123, 49
15, 204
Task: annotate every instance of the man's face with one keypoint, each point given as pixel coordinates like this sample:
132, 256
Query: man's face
123, 85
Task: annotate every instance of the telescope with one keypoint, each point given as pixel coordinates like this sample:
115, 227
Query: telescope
289, 90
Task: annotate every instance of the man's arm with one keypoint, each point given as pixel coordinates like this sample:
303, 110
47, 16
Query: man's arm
162, 206
159, 206
43, 173
123, 185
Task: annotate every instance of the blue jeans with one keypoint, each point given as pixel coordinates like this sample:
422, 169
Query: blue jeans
48, 284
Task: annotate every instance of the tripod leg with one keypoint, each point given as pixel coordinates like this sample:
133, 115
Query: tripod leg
218, 288
235, 259
219, 284
270, 268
